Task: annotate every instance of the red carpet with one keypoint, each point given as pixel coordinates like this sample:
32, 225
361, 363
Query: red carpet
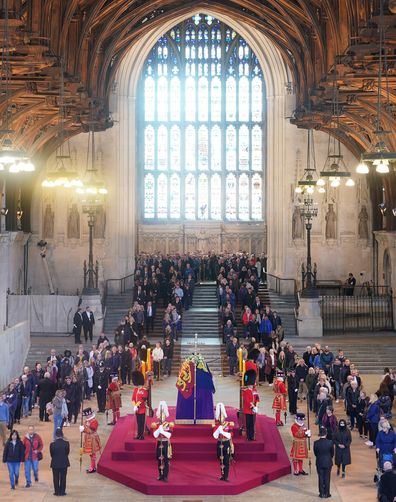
194, 469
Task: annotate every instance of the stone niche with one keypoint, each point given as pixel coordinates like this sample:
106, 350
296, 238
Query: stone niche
203, 237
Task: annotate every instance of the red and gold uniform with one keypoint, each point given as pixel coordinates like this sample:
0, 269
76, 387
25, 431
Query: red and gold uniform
279, 402
162, 432
139, 400
299, 449
91, 441
114, 402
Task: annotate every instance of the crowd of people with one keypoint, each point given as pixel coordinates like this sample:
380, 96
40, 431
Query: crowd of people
316, 379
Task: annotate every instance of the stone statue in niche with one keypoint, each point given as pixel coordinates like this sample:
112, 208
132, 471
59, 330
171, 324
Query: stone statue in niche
100, 223
48, 223
363, 224
297, 223
73, 223
330, 223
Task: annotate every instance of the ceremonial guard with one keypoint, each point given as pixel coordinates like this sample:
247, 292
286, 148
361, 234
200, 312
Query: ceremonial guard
299, 449
279, 403
249, 403
139, 399
91, 441
162, 431
114, 398
223, 433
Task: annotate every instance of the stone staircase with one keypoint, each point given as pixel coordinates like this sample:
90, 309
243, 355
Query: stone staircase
203, 319
284, 305
368, 357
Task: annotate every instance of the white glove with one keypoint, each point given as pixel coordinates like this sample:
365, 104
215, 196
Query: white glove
135, 408
308, 433
81, 428
99, 387
161, 429
295, 390
220, 429
255, 409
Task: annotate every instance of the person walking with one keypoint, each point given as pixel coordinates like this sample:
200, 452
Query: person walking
45, 392
4, 418
13, 455
342, 440
59, 408
59, 452
33, 454
324, 452
385, 443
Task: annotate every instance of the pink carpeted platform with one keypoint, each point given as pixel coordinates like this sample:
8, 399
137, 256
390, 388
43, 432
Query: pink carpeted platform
194, 469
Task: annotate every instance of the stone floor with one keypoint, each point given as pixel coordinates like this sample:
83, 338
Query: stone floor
357, 486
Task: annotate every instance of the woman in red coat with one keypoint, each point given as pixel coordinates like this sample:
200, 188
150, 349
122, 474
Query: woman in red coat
33, 447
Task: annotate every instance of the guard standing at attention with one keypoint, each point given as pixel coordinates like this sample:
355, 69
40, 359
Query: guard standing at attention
162, 432
279, 402
249, 403
139, 402
223, 433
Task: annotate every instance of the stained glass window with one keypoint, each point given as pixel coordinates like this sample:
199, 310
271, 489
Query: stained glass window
174, 196
202, 120
215, 197
162, 196
257, 197
243, 198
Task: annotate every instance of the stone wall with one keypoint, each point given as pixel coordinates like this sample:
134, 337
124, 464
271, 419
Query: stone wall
15, 344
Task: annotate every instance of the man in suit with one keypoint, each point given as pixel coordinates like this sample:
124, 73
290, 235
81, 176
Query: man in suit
88, 322
59, 451
77, 325
324, 452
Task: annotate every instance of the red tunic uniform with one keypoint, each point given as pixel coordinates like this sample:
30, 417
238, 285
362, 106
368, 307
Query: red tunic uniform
248, 401
299, 449
91, 440
139, 399
280, 390
114, 396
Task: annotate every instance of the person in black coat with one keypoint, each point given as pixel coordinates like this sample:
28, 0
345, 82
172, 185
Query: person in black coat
13, 455
324, 452
59, 451
292, 390
45, 392
342, 439
88, 321
101, 382
387, 484
77, 325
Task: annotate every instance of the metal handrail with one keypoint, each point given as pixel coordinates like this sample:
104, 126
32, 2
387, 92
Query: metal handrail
278, 282
122, 286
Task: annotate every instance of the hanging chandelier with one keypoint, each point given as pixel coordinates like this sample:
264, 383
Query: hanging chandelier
309, 181
63, 175
12, 159
379, 155
93, 188
334, 168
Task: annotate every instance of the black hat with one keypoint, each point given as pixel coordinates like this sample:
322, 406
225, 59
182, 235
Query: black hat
137, 378
300, 416
67, 353
280, 373
249, 377
88, 413
113, 375
253, 354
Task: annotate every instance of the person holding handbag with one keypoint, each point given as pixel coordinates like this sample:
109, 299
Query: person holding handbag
33, 454
13, 455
